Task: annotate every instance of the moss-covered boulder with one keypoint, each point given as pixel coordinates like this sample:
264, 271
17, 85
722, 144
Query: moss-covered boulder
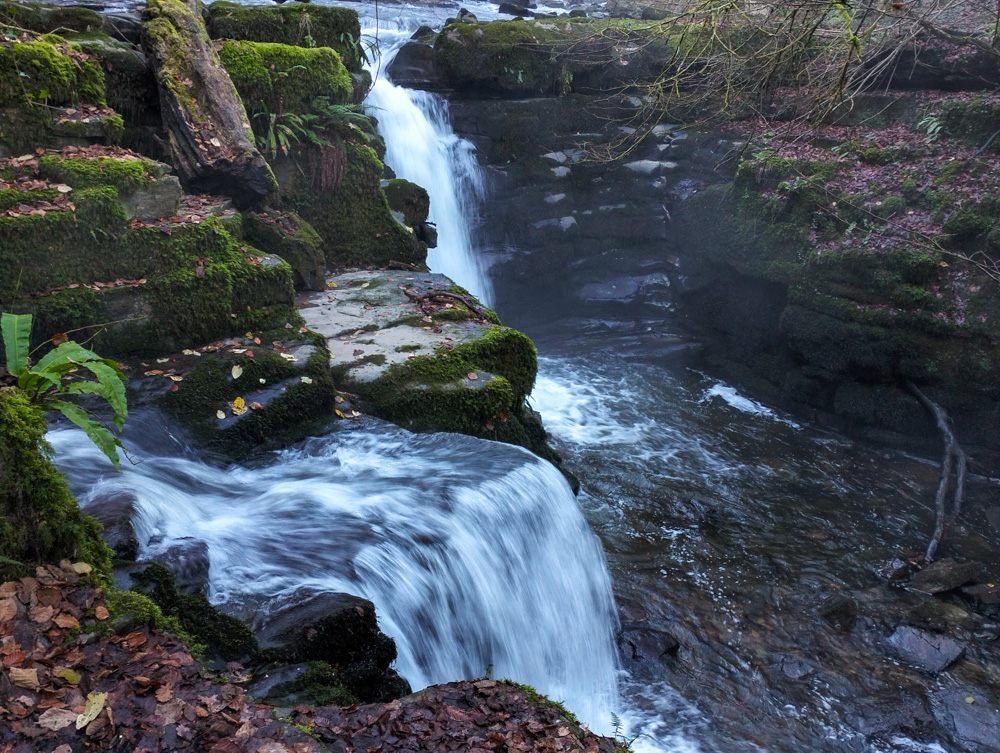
287, 235
220, 635
261, 390
409, 199
279, 78
297, 24
75, 259
422, 353
40, 521
337, 189
46, 19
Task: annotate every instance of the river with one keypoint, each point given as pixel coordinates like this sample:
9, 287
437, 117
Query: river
702, 515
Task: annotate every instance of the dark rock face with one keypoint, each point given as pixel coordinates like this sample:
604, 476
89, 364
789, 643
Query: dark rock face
644, 647
414, 67
931, 653
840, 611
335, 628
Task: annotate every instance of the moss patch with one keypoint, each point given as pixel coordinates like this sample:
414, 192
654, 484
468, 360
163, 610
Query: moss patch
319, 685
40, 521
48, 71
278, 78
297, 24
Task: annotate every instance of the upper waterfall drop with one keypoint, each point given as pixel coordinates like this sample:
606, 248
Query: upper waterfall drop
422, 148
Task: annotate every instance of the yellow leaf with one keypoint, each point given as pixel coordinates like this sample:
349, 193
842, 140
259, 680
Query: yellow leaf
250, 335
331, 284
239, 402
237, 371
95, 703
71, 676
81, 568
339, 414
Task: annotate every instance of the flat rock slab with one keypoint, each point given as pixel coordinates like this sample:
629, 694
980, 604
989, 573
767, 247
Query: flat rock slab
370, 323
926, 651
973, 720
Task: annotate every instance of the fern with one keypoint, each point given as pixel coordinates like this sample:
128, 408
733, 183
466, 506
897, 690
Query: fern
47, 382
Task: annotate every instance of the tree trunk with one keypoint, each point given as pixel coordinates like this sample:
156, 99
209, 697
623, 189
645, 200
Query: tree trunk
209, 132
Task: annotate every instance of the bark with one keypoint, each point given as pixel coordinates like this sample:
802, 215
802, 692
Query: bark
209, 134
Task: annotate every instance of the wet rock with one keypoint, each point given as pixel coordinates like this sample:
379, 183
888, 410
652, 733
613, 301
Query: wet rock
939, 616
467, 17
114, 512
189, 564
336, 628
792, 667
414, 67
840, 611
645, 647
893, 571
943, 575
986, 594
926, 651
514, 9
975, 726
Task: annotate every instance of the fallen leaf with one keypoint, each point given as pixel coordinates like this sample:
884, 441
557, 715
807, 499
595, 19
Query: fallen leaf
101, 612
59, 338
339, 414
164, 693
256, 406
175, 377
25, 678
8, 608
63, 188
473, 375
95, 703
69, 675
220, 415
56, 719
237, 371
306, 380
339, 399
66, 621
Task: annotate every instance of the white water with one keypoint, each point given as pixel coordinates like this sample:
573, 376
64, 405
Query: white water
422, 147
474, 553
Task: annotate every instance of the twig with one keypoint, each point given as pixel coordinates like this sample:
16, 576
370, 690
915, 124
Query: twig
429, 298
393, 264
952, 453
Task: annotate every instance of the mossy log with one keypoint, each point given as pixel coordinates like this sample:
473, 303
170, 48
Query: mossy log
211, 143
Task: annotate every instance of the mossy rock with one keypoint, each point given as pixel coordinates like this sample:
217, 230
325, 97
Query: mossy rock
277, 78
130, 85
218, 634
48, 71
181, 303
285, 399
40, 521
297, 24
293, 239
316, 684
353, 219
47, 19
408, 199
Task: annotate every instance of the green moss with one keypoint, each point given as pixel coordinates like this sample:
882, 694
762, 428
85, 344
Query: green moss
40, 521
972, 219
45, 19
354, 220
432, 393
277, 78
43, 71
220, 634
293, 405
294, 240
125, 175
181, 303
408, 199
319, 685
408, 348
890, 206
298, 24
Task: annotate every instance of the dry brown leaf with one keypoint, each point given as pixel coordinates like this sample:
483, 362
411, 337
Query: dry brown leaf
25, 678
164, 693
101, 612
56, 719
66, 621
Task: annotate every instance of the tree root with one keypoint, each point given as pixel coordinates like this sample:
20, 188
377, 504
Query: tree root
439, 295
953, 454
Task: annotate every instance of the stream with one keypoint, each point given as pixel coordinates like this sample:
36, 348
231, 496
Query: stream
703, 517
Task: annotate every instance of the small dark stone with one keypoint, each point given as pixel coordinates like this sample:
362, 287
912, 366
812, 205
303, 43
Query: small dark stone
840, 611
513, 9
892, 571
466, 17
926, 651
943, 575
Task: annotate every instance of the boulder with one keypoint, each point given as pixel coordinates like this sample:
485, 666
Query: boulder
336, 628
840, 611
287, 235
414, 67
943, 575
926, 651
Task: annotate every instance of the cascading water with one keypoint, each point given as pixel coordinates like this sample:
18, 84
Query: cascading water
422, 147
474, 553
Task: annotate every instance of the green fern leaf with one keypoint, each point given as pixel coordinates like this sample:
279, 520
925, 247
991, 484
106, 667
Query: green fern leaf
16, 330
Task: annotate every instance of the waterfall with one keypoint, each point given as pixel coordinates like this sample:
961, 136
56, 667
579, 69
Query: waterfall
475, 553
422, 147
